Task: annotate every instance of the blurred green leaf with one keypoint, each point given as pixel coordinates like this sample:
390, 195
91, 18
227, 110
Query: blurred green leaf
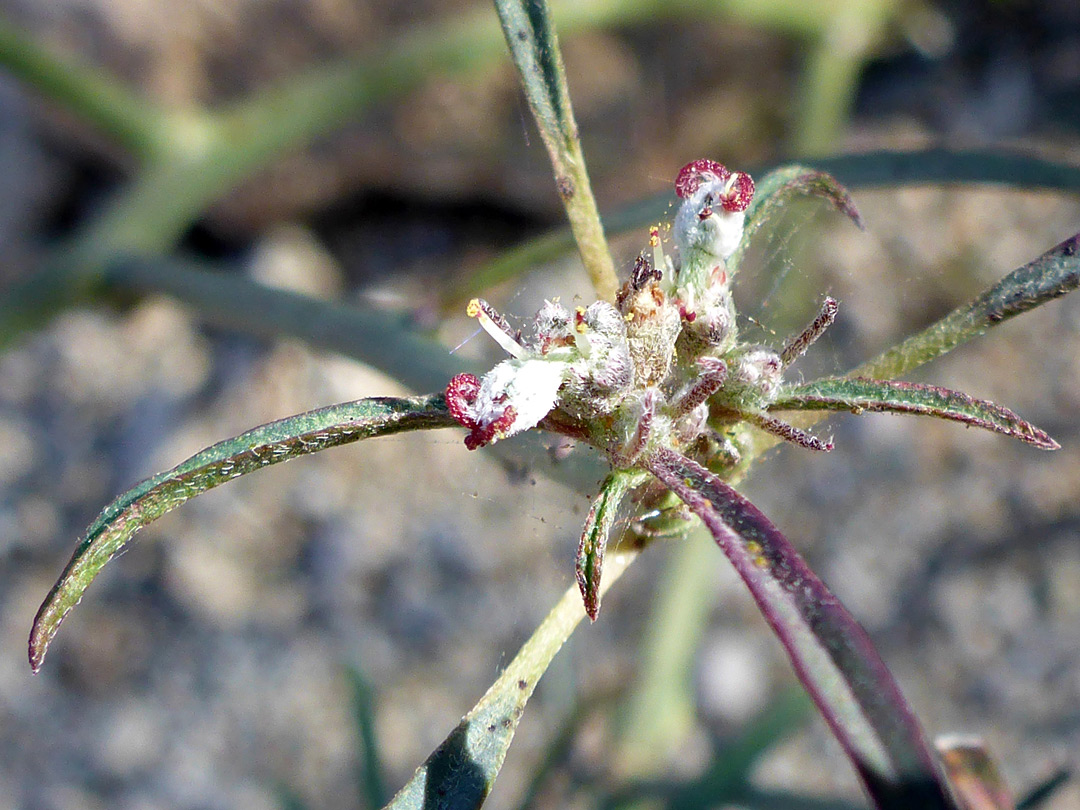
728, 774
1042, 792
726, 778
369, 772
134, 122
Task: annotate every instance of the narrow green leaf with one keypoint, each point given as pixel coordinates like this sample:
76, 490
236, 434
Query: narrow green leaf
860, 394
831, 653
594, 535
778, 188
1043, 791
729, 772
530, 34
726, 778
560, 748
1050, 276
369, 770
461, 772
269, 444
1015, 170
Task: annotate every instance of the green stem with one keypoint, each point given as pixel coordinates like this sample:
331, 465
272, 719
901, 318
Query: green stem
661, 709
461, 771
133, 122
530, 34
831, 74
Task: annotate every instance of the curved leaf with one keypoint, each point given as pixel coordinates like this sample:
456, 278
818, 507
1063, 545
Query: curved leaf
260, 447
831, 653
1050, 276
776, 189
594, 535
460, 773
860, 394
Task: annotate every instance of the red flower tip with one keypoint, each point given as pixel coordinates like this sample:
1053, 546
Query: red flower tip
738, 197
483, 436
694, 173
460, 394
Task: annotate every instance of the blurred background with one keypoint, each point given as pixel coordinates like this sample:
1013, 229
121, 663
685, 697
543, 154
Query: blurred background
223, 661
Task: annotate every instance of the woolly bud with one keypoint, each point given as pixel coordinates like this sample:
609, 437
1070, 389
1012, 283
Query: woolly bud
511, 398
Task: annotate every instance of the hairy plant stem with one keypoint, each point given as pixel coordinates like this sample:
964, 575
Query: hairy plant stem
468, 761
534, 47
133, 122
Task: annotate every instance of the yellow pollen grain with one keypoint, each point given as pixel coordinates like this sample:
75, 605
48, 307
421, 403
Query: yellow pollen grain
581, 327
473, 308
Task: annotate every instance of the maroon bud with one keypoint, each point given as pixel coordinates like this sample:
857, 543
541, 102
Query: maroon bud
737, 198
482, 436
693, 174
460, 395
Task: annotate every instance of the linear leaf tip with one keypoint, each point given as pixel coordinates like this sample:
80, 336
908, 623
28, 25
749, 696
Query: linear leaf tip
272, 443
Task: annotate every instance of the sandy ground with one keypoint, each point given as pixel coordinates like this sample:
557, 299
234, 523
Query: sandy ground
208, 667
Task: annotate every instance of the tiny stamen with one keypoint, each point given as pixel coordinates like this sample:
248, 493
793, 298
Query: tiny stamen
796, 347
644, 272
496, 326
789, 433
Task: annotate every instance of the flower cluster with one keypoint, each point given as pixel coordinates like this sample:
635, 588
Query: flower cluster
662, 367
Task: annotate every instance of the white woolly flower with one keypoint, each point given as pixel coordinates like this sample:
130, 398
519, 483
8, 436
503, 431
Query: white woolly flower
511, 398
528, 386
707, 228
710, 220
